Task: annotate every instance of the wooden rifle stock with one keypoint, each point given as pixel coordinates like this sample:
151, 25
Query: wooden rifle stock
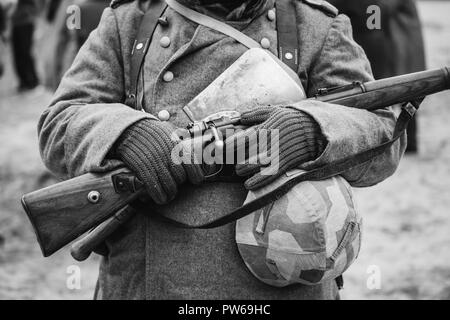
63, 212
82, 249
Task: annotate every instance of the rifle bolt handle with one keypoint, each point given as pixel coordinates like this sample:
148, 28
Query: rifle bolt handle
94, 197
220, 145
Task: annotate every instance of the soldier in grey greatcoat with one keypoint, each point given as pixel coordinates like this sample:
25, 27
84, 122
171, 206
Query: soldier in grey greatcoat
91, 126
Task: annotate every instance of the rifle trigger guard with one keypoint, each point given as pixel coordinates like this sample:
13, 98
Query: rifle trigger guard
126, 183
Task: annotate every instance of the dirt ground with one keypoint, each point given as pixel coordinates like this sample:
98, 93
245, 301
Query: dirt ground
407, 218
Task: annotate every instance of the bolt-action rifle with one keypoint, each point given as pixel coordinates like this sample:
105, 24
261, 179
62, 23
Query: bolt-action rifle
63, 212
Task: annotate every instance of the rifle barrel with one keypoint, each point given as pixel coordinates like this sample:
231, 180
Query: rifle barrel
383, 93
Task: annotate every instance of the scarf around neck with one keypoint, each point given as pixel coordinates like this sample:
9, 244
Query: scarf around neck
229, 10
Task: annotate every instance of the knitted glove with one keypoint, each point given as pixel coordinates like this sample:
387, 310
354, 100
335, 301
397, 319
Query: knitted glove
299, 140
146, 149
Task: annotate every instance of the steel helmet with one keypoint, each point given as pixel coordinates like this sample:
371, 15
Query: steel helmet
310, 235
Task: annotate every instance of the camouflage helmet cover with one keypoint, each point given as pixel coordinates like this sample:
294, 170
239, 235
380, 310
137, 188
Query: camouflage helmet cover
310, 235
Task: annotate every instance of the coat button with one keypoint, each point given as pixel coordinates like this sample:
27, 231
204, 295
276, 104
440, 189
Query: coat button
164, 115
165, 42
271, 15
265, 43
289, 56
168, 76
139, 46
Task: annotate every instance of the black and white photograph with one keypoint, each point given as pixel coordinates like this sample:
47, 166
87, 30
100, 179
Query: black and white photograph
235, 152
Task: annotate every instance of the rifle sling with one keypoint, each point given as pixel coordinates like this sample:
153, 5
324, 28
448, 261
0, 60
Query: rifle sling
330, 170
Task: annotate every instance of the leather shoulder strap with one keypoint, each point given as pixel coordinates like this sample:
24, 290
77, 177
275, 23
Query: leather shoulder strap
212, 23
140, 47
286, 28
228, 30
116, 3
288, 46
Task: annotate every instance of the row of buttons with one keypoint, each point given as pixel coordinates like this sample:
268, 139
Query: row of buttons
265, 43
168, 76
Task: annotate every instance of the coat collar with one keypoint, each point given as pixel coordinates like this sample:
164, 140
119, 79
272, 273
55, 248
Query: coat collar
245, 11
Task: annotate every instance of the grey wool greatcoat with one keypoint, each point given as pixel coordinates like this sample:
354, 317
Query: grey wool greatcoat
149, 259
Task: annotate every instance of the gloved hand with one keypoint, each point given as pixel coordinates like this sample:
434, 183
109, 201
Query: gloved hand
299, 140
146, 149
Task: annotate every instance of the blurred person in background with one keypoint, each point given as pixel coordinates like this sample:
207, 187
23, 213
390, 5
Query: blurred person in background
23, 25
2, 38
394, 49
64, 43
52, 9
91, 12
7, 7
